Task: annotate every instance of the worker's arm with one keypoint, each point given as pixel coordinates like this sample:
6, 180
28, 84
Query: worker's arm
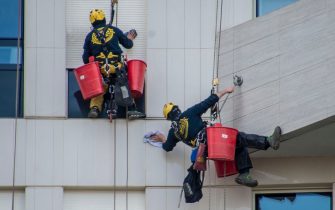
125, 40
87, 52
203, 106
225, 91
168, 143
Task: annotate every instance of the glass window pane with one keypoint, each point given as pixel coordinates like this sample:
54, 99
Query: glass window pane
9, 19
8, 55
267, 6
295, 201
8, 93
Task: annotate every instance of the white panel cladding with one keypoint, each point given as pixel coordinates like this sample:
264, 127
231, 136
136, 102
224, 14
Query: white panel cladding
175, 168
41, 198
44, 38
193, 77
207, 23
155, 198
177, 26
6, 200
155, 163
175, 23
44, 152
291, 59
131, 14
156, 82
192, 21
130, 164
157, 24
176, 77
30, 68
7, 128
88, 153
97, 200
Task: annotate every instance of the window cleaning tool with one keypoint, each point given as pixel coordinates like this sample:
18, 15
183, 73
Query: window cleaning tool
238, 80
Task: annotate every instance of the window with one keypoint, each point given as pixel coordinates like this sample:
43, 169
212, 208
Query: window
9, 63
294, 201
79, 108
264, 7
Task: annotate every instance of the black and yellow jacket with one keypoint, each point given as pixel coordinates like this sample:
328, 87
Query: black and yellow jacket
190, 124
113, 37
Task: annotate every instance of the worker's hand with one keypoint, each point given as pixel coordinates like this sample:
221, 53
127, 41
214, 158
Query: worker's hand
158, 137
225, 91
215, 82
229, 89
132, 34
115, 2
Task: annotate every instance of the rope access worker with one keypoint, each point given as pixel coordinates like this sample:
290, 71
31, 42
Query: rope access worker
186, 126
103, 44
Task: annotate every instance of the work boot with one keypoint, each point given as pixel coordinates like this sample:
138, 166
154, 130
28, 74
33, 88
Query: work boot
246, 179
274, 139
135, 115
94, 112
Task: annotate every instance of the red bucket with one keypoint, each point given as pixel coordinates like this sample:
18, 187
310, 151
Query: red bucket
225, 168
136, 72
89, 80
221, 142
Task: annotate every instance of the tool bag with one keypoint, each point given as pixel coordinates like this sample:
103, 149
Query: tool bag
201, 156
122, 95
192, 185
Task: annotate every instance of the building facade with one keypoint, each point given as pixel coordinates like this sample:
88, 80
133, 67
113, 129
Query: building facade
58, 159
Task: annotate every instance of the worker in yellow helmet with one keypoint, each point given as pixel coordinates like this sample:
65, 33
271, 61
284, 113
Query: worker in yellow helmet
187, 126
102, 43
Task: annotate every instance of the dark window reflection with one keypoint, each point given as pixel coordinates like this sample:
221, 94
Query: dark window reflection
294, 201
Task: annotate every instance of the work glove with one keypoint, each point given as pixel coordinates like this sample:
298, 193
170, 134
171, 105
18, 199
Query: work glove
115, 2
132, 34
215, 82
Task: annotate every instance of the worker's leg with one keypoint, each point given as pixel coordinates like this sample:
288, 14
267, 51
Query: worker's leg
242, 158
133, 113
244, 164
260, 142
96, 104
252, 141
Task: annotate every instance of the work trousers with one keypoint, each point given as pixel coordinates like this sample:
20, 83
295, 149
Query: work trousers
245, 141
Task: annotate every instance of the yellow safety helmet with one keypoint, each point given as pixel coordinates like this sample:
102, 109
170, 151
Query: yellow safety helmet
96, 14
167, 109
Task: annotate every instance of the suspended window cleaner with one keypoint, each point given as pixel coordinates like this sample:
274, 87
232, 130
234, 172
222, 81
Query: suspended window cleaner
103, 54
189, 128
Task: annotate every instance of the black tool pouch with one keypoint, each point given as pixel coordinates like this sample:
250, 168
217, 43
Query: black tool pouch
122, 94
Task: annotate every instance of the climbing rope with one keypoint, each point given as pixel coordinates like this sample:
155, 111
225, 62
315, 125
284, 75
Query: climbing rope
217, 45
127, 160
114, 184
18, 61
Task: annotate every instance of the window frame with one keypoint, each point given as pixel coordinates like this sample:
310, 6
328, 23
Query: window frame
290, 190
13, 42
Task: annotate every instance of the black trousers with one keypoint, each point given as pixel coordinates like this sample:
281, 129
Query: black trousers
243, 142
